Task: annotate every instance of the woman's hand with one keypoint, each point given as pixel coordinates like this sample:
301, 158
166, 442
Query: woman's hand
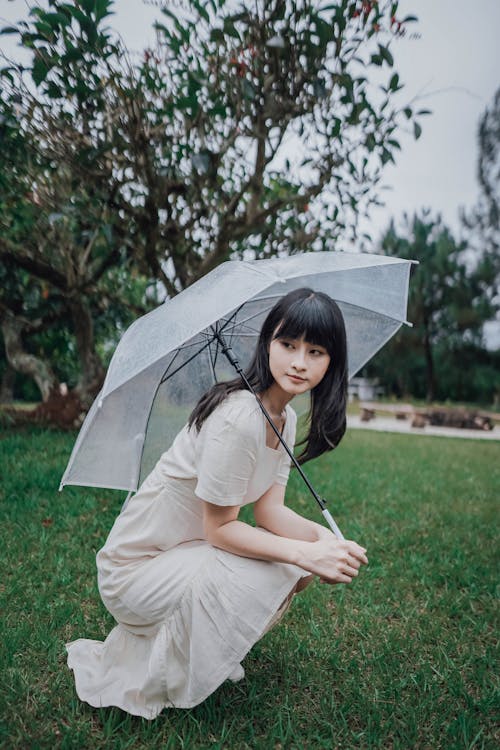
332, 559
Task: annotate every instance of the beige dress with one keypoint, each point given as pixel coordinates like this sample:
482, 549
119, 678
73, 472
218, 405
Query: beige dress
187, 612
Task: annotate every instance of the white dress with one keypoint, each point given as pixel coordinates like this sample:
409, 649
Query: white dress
187, 612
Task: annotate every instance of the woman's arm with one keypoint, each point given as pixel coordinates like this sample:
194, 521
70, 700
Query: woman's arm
271, 513
333, 560
222, 529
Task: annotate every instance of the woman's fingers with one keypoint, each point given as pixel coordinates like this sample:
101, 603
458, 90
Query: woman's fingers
351, 571
358, 552
335, 561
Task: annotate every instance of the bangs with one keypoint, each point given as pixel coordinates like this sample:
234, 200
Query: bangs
311, 319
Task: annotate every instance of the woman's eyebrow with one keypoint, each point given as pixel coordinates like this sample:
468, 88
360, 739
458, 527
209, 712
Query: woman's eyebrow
308, 343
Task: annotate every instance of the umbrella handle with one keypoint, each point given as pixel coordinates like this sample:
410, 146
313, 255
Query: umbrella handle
331, 523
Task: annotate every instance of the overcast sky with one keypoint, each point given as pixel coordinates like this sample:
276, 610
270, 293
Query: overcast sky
453, 68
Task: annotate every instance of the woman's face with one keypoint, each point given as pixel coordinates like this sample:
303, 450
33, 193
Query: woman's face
296, 365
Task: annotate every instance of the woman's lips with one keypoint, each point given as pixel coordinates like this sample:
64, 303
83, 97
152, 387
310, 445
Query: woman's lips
296, 378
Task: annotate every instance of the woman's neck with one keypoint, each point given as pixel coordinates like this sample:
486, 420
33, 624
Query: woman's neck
275, 401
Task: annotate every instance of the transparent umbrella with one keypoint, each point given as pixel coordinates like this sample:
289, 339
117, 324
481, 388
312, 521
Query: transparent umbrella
169, 357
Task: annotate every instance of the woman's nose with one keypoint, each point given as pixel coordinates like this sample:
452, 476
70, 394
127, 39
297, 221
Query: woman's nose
299, 361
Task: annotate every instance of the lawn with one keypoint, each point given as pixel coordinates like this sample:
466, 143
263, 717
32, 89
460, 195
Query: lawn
404, 657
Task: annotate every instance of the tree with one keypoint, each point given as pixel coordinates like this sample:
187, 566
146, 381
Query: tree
58, 275
172, 164
482, 223
450, 298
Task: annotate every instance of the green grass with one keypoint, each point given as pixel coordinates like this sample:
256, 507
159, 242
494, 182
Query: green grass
404, 657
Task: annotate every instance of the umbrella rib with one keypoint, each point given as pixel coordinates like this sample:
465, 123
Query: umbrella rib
246, 335
212, 362
241, 322
236, 330
164, 378
337, 299
227, 321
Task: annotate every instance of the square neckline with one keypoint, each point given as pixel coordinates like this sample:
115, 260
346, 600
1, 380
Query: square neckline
277, 450
264, 423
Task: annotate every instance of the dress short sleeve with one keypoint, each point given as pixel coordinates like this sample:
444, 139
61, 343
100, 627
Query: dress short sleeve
226, 456
289, 436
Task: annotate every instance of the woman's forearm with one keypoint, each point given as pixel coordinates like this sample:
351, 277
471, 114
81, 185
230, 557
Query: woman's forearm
286, 523
242, 539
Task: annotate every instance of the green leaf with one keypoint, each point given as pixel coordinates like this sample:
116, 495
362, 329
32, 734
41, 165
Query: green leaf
201, 10
386, 55
386, 156
216, 35
417, 130
107, 231
5, 73
194, 84
408, 112
183, 29
40, 70
376, 59
187, 102
9, 30
88, 5
230, 29
337, 124
218, 109
324, 30
244, 16
393, 84
102, 9
370, 142
53, 90
56, 19
45, 30
72, 54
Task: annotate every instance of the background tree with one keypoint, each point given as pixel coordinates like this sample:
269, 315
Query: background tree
249, 131
450, 299
58, 276
482, 223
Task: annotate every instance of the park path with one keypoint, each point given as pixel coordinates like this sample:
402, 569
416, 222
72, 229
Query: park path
391, 424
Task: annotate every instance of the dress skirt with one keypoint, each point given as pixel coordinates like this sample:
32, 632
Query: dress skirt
187, 615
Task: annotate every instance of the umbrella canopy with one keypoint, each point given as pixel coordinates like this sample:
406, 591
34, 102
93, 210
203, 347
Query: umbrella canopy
169, 357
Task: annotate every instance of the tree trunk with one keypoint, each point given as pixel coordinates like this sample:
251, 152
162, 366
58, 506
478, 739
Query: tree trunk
92, 371
429, 366
7, 386
22, 361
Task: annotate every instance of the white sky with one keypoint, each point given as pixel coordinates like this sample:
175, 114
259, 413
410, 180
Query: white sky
453, 69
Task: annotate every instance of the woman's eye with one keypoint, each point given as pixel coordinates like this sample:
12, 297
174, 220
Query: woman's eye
286, 344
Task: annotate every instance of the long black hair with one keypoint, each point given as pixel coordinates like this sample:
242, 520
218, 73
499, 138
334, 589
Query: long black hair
317, 318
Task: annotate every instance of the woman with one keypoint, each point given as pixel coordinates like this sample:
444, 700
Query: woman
193, 588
